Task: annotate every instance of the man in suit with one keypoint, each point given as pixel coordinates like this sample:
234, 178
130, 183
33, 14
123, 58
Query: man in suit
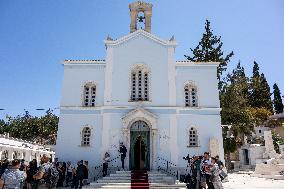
122, 151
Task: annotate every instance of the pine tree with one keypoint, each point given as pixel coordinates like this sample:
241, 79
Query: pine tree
209, 49
260, 96
277, 101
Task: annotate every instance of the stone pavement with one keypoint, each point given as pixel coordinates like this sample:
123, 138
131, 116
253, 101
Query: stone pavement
245, 181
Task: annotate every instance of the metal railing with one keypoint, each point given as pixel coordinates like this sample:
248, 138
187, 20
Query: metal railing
99, 168
167, 167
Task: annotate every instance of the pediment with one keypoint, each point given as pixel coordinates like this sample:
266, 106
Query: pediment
150, 36
139, 114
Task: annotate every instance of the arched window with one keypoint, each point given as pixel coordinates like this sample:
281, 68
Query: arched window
15, 155
190, 95
139, 84
5, 155
193, 137
89, 94
86, 136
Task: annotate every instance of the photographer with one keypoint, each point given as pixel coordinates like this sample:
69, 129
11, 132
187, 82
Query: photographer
187, 176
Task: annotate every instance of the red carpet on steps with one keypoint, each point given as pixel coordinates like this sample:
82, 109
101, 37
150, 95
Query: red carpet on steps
139, 179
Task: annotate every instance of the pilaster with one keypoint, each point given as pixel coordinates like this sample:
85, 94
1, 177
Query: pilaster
173, 139
108, 77
171, 77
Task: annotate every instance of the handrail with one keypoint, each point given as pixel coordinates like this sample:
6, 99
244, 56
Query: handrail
160, 158
101, 165
167, 164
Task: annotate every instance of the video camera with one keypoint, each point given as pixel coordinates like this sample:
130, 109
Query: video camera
187, 158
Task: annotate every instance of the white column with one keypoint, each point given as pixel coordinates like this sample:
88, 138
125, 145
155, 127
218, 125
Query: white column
30, 155
173, 139
22, 154
171, 77
108, 76
10, 152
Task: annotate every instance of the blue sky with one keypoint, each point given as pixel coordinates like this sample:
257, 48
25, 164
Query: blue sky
35, 35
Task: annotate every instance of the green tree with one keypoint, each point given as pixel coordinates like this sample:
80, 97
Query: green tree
47, 127
277, 140
3, 127
22, 126
260, 95
209, 49
234, 102
277, 100
36, 129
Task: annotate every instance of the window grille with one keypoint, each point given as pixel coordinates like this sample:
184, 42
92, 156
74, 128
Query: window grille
86, 136
190, 95
89, 95
193, 138
139, 85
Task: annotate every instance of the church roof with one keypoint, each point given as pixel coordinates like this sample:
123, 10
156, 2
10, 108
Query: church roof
185, 63
277, 116
111, 42
93, 61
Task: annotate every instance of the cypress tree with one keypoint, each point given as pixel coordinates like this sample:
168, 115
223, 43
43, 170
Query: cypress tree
235, 103
255, 93
255, 70
266, 95
277, 101
260, 96
209, 49
234, 97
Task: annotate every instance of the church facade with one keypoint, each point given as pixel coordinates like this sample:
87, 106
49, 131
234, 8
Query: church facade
141, 96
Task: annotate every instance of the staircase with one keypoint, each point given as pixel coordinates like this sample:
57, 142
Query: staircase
137, 179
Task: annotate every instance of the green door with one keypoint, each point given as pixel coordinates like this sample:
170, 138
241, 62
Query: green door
139, 156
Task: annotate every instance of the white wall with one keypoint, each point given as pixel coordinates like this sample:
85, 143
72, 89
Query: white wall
140, 50
205, 78
68, 144
75, 77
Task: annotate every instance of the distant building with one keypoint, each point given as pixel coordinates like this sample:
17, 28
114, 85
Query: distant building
12, 148
279, 129
259, 131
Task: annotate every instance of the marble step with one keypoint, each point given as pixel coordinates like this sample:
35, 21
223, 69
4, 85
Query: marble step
129, 178
129, 181
156, 185
129, 174
119, 172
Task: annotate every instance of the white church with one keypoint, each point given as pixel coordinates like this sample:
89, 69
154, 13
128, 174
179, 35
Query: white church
139, 95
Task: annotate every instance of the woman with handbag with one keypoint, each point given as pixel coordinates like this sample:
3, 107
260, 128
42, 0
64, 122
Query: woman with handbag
13, 177
215, 172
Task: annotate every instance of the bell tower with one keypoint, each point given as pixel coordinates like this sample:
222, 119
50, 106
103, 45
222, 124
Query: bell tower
140, 15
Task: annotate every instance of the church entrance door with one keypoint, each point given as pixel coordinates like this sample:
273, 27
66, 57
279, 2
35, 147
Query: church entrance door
139, 146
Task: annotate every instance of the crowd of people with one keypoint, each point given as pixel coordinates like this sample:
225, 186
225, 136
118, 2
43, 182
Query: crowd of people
204, 172
47, 175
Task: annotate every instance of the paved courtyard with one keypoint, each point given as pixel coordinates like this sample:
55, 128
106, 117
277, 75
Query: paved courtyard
245, 181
